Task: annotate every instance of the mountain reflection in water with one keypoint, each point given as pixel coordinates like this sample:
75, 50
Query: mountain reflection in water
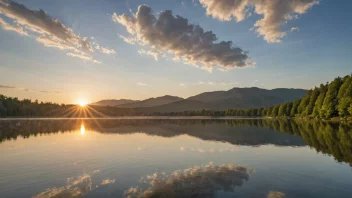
329, 138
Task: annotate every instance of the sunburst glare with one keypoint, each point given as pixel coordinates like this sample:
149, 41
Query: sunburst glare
82, 102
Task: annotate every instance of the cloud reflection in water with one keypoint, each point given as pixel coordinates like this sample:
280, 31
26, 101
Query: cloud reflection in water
199, 181
75, 187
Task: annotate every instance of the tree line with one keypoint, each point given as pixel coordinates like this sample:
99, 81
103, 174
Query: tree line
329, 100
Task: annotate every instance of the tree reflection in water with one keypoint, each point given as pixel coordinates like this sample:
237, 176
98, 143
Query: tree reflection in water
326, 137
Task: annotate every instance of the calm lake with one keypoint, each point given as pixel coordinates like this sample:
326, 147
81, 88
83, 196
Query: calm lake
175, 158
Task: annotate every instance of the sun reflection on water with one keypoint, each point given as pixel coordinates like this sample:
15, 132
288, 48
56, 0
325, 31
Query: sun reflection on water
83, 129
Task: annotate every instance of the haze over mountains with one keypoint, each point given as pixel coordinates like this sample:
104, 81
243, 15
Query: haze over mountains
236, 98
114, 102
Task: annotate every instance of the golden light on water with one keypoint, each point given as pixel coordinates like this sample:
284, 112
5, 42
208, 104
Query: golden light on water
83, 129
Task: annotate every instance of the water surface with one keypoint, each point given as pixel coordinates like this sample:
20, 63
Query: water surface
174, 158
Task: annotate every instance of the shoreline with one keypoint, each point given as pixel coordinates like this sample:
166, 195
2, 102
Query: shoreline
142, 118
347, 120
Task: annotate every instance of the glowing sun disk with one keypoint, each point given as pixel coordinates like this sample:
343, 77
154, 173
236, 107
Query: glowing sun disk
82, 102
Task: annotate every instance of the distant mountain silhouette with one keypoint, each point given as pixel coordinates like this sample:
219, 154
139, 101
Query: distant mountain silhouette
114, 102
248, 97
236, 98
151, 102
182, 105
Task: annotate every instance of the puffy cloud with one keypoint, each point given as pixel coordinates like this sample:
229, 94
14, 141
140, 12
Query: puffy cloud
104, 50
189, 43
40, 22
48, 31
55, 43
149, 53
225, 10
107, 51
131, 41
15, 28
200, 181
275, 13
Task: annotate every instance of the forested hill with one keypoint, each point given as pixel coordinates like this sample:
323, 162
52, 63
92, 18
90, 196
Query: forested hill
329, 100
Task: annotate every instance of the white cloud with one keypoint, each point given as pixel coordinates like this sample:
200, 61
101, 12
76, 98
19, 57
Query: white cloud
225, 10
48, 31
83, 57
275, 13
131, 41
294, 29
104, 50
16, 28
149, 53
174, 35
40, 22
107, 51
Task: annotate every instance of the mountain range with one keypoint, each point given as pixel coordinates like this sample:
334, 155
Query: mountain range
236, 98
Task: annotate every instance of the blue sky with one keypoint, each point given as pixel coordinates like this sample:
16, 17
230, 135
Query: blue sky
318, 52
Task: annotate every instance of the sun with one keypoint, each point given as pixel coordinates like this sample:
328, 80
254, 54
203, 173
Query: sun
82, 102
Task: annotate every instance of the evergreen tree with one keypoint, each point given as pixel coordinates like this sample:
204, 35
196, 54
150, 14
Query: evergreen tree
282, 110
313, 98
304, 103
269, 111
320, 100
330, 100
275, 111
350, 109
294, 109
289, 108
345, 97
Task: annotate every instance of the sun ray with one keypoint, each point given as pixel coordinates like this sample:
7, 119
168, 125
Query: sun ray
96, 111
